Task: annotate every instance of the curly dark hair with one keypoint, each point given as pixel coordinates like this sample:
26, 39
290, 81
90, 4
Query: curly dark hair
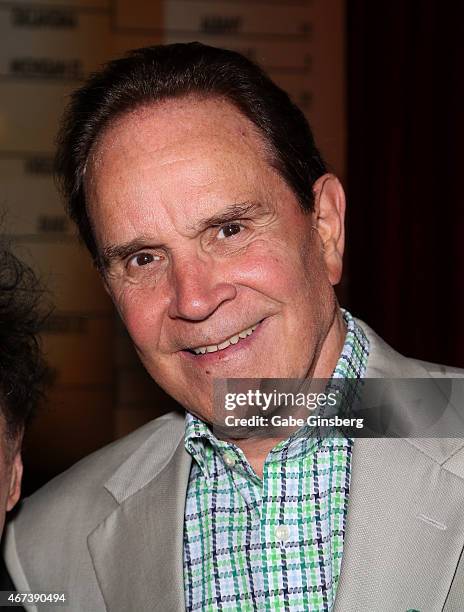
23, 372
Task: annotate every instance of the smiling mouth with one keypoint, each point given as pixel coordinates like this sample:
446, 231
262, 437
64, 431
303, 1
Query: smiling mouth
213, 348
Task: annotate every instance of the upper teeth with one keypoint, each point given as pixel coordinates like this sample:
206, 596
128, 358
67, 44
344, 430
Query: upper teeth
212, 348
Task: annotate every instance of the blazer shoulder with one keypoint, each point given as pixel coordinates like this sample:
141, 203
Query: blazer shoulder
80, 495
438, 370
385, 362
46, 543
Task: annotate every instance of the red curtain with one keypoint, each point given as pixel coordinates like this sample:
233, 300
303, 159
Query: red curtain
405, 254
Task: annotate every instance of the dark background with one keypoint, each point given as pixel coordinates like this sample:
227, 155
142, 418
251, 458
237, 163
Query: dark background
405, 243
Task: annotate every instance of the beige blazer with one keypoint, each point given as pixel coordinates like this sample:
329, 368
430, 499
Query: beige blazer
109, 531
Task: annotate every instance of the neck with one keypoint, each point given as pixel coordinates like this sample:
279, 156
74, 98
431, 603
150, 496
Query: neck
257, 449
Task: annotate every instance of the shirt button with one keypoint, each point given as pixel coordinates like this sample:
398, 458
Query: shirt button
282, 532
230, 461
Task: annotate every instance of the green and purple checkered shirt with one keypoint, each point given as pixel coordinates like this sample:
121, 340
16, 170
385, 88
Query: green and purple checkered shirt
276, 543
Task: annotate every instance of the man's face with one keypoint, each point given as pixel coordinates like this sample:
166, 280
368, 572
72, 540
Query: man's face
11, 470
212, 265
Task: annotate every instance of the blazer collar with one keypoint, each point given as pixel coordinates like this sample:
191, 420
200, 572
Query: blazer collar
137, 551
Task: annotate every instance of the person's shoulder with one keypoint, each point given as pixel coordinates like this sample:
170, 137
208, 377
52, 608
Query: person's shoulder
81, 494
54, 523
385, 362
438, 370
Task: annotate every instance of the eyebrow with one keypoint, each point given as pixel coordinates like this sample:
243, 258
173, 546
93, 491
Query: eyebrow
230, 213
115, 252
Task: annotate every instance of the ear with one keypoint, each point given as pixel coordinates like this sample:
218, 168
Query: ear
329, 221
105, 284
100, 268
16, 475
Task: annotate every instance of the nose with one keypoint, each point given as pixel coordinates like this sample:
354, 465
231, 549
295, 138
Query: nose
197, 290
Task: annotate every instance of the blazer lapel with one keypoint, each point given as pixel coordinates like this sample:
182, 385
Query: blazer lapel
405, 525
137, 551
405, 530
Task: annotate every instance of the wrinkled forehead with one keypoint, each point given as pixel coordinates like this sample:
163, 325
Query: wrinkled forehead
175, 162
187, 119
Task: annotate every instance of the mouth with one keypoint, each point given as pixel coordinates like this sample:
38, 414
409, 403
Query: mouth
233, 340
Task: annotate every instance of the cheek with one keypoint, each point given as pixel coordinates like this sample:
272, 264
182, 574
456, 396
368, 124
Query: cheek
276, 269
142, 315
265, 269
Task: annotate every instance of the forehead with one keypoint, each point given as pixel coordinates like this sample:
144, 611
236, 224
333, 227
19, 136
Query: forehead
176, 126
183, 157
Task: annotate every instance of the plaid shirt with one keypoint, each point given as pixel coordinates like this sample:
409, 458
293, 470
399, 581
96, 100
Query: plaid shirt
276, 543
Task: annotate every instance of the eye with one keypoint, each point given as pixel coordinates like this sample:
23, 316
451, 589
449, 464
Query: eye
142, 259
226, 231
